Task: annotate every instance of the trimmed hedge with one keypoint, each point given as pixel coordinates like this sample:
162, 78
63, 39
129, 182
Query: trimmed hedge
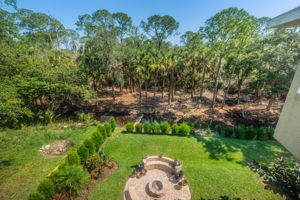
165, 127
83, 153
175, 129
147, 127
184, 129
108, 129
88, 143
139, 128
155, 127
129, 127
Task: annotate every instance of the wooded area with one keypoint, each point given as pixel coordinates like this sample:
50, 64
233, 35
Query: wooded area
48, 71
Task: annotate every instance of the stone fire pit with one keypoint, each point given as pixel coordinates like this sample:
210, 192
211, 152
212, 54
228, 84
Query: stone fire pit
158, 181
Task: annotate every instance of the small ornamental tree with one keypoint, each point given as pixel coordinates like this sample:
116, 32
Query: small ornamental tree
108, 129
113, 123
102, 131
70, 180
97, 139
165, 127
147, 127
73, 158
184, 129
83, 153
36, 196
129, 127
139, 128
47, 188
88, 143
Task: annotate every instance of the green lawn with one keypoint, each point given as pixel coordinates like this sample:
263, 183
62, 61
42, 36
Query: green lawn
213, 166
21, 165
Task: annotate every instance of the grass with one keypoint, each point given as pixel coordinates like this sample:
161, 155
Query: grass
214, 167
22, 167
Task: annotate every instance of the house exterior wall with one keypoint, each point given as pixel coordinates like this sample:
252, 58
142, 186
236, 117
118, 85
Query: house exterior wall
287, 131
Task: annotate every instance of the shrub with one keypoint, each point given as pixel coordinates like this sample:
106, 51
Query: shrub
108, 129
147, 127
113, 123
102, 131
165, 127
70, 180
47, 188
88, 143
155, 127
36, 196
83, 153
97, 139
139, 128
129, 127
73, 158
175, 129
251, 133
240, 131
84, 117
262, 133
184, 129
93, 162
270, 132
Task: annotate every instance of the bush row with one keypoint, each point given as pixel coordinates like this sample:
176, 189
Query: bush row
249, 133
70, 176
159, 128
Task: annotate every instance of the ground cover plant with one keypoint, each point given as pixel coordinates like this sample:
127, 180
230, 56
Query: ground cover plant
214, 167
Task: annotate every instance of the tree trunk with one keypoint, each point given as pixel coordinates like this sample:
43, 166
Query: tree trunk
230, 78
216, 82
113, 92
202, 82
173, 86
239, 91
146, 91
140, 94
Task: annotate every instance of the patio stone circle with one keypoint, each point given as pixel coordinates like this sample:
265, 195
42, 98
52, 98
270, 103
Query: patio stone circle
159, 182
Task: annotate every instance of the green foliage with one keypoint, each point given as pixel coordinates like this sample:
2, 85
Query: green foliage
147, 127
251, 133
89, 144
282, 175
92, 162
113, 123
175, 129
84, 117
97, 139
155, 127
102, 131
129, 127
83, 153
108, 129
262, 133
70, 180
36, 196
139, 128
73, 158
240, 131
184, 129
47, 188
165, 127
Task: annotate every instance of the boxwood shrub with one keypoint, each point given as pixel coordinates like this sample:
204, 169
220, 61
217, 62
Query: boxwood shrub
175, 129
102, 131
139, 128
129, 127
165, 127
147, 127
155, 127
184, 129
